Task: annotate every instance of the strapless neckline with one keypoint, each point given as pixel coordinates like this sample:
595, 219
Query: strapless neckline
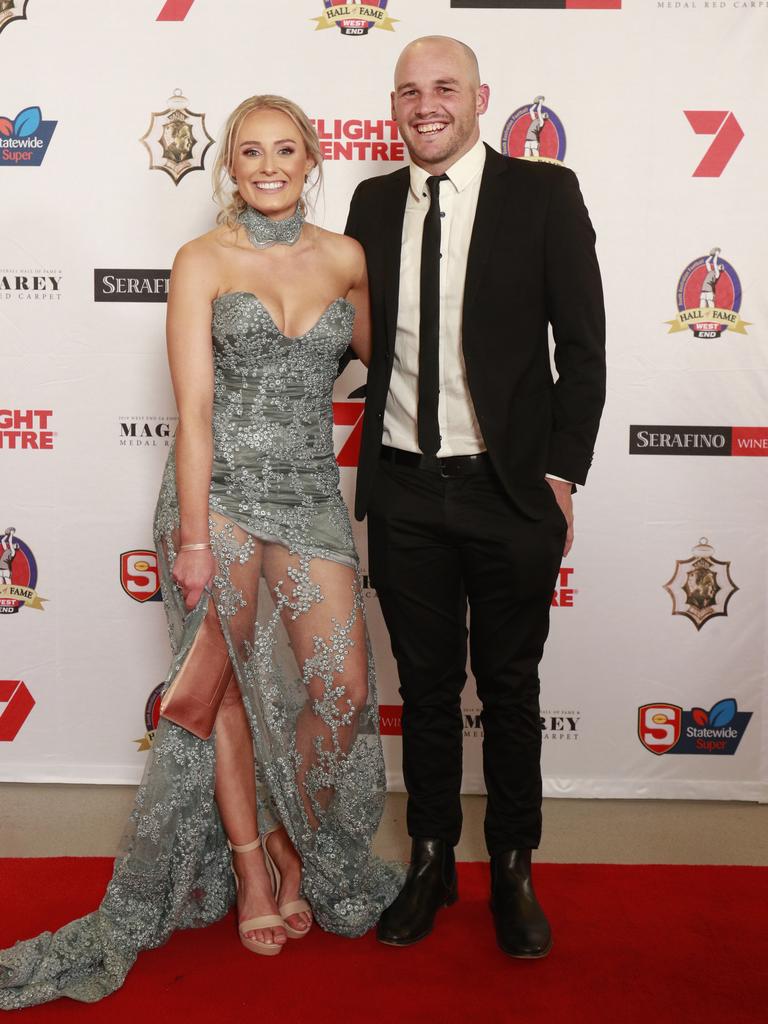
288, 337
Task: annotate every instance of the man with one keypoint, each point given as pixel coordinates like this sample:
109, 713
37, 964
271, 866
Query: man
533, 135
470, 255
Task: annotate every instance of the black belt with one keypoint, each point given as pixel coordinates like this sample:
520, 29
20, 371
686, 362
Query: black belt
451, 465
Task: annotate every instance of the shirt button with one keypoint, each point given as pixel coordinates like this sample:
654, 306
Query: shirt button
442, 213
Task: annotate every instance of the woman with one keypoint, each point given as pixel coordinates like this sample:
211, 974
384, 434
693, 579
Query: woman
259, 568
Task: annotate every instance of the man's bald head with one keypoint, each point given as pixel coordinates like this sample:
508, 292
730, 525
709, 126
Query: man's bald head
446, 45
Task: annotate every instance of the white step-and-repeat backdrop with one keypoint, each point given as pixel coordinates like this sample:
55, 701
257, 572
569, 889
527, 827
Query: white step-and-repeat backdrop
654, 679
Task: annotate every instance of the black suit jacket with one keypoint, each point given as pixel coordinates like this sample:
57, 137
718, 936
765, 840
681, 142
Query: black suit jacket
531, 263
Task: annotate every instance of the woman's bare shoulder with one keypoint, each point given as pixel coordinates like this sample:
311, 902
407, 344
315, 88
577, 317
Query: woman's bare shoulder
342, 248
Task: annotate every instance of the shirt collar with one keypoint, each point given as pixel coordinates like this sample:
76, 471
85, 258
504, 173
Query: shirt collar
461, 174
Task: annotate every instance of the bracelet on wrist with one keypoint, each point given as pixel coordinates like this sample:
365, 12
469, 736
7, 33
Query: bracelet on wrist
194, 547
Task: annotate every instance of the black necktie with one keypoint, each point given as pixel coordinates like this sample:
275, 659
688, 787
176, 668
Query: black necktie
429, 324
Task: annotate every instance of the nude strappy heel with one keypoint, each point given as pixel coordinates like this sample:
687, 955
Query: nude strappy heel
266, 920
294, 906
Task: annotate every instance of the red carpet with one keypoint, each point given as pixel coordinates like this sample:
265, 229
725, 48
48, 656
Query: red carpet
632, 944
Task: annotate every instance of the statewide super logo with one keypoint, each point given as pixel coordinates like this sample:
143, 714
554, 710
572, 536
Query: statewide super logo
139, 575
177, 139
18, 575
701, 586
12, 10
534, 132
151, 719
24, 140
708, 298
355, 19
667, 729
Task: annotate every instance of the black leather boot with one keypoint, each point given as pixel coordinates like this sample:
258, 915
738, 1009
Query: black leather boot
429, 885
522, 929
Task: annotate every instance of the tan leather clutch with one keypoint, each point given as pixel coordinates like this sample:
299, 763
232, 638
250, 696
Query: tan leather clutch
195, 695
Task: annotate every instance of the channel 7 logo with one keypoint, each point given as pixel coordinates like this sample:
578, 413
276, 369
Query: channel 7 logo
727, 133
175, 10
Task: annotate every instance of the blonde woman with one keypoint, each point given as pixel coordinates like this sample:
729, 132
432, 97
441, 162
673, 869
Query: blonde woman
262, 591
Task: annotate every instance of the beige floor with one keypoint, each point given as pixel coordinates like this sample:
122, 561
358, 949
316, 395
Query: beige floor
61, 820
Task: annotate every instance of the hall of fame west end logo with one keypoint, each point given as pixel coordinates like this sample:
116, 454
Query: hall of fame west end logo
708, 298
701, 586
355, 19
177, 139
534, 132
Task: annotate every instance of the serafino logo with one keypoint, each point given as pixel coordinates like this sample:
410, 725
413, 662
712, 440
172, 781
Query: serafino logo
728, 134
175, 10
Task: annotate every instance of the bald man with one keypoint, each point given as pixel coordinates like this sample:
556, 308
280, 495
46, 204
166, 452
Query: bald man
468, 458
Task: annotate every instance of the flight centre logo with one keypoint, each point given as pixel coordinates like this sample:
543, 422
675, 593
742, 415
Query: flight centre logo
701, 586
355, 19
24, 139
358, 139
12, 10
18, 575
708, 298
26, 429
177, 139
151, 719
140, 576
534, 132
667, 729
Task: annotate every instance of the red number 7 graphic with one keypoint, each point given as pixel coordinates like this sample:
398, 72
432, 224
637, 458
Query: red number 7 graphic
349, 414
175, 10
728, 134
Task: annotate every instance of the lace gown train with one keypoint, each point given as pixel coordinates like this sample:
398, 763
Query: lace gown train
288, 598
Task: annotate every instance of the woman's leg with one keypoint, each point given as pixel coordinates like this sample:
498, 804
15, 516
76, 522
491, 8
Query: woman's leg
323, 615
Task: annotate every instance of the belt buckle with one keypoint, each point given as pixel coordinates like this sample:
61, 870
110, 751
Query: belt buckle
446, 464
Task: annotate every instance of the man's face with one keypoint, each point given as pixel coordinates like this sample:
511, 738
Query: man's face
436, 103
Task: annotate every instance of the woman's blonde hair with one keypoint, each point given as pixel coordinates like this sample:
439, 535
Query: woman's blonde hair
225, 191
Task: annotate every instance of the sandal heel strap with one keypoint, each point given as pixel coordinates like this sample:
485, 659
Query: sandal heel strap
247, 847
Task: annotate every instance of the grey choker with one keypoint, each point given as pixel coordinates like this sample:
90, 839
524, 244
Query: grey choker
263, 232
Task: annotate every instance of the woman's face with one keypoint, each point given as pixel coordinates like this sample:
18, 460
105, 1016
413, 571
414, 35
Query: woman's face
270, 163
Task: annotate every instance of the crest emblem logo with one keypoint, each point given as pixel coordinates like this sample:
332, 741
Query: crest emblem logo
177, 139
18, 575
708, 298
534, 132
151, 719
701, 586
355, 18
12, 10
139, 575
658, 726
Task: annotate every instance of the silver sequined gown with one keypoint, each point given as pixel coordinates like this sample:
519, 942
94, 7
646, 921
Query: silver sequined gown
289, 599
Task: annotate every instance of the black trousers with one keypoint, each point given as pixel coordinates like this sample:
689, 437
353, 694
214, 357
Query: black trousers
436, 546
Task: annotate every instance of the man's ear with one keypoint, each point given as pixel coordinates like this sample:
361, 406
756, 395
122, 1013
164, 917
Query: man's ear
483, 98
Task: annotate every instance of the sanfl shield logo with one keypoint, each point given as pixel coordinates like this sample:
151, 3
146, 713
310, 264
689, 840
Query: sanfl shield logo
24, 140
12, 10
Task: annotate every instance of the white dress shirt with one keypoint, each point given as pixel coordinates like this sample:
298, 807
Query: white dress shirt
459, 429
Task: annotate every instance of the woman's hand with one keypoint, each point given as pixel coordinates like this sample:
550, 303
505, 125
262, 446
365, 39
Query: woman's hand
193, 571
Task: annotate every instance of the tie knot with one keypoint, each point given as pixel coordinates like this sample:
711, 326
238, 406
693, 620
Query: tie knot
433, 183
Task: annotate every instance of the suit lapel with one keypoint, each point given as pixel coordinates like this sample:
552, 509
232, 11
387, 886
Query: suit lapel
493, 192
394, 215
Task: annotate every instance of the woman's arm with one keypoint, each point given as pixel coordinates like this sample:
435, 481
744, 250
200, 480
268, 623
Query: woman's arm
359, 297
190, 357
